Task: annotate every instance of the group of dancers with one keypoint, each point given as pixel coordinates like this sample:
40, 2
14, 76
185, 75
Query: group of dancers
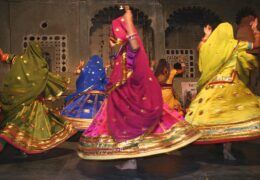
134, 112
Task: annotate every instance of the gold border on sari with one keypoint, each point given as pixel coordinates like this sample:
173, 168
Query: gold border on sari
105, 148
24, 141
229, 132
79, 123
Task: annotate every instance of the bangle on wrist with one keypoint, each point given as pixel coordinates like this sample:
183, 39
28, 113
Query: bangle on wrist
131, 36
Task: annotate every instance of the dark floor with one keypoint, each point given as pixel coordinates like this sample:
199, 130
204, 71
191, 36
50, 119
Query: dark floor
198, 162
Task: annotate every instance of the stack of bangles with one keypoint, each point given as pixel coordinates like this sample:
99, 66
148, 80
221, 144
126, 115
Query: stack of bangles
131, 36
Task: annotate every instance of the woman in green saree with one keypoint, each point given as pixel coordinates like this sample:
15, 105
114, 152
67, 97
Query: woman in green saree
28, 124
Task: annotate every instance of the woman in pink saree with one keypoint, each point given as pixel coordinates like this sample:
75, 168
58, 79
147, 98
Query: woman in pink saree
133, 121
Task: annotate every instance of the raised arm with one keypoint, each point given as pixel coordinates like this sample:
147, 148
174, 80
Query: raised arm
207, 32
6, 58
130, 28
256, 43
182, 60
182, 70
79, 67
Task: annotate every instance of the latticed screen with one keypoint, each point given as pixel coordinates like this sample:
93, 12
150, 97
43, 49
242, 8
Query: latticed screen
173, 56
54, 48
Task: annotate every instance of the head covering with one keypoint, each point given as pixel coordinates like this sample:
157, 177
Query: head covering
119, 29
135, 101
26, 79
91, 77
119, 72
93, 74
217, 50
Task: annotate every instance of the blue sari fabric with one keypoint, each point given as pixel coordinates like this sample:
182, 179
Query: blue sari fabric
90, 91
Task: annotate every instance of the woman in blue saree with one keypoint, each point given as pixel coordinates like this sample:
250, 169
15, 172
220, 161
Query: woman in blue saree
83, 105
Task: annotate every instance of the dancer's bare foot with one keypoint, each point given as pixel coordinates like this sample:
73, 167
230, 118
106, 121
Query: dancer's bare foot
128, 165
227, 152
21, 155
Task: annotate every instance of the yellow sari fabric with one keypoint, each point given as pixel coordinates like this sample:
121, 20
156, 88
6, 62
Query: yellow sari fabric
168, 94
225, 109
218, 49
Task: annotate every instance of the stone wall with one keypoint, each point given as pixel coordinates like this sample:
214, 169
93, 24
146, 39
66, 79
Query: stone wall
72, 18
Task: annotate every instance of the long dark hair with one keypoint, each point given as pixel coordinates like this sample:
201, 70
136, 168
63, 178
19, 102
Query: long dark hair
177, 66
163, 68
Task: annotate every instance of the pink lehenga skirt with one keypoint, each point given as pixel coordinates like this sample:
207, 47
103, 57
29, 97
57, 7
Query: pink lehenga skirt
171, 133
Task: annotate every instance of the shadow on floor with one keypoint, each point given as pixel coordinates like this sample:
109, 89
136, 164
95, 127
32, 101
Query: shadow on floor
156, 167
246, 153
191, 162
11, 155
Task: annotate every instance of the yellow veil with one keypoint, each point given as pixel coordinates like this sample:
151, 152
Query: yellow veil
217, 50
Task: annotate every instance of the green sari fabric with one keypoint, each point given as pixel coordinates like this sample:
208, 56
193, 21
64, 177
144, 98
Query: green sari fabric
28, 124
28, 78
217, 51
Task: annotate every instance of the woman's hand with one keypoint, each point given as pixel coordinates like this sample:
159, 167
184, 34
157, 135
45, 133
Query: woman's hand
128, 16
254, 25
107, 67
207, 30
182, 58
111, 43
131, 34
153, 62
81, 64
79, 67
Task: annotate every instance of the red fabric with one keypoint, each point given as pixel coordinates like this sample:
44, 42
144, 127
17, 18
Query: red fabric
136, 106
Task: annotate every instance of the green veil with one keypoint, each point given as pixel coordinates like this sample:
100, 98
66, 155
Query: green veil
217, 50
28, 79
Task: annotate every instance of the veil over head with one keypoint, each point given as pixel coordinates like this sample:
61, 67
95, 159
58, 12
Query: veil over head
135, 100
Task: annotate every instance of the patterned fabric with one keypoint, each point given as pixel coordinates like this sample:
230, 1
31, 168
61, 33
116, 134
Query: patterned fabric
168, 94
83, 105
133, 122
28, 124
217, 50
225, 109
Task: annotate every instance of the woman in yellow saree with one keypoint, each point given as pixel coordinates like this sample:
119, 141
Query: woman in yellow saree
225, 110
165, 75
